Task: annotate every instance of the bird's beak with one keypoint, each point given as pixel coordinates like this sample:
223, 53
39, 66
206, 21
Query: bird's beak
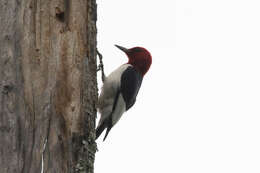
122, 48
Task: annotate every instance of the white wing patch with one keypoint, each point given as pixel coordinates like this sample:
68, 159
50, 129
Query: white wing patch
119, 109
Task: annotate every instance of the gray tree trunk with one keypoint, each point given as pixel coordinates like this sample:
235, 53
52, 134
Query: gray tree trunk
48, 87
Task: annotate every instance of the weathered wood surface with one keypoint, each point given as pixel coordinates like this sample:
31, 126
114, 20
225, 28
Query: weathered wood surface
48, 87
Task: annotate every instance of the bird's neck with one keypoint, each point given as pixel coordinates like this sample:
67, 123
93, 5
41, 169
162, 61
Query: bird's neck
142, 67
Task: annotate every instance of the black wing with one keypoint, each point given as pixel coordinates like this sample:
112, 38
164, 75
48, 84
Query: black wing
131, 81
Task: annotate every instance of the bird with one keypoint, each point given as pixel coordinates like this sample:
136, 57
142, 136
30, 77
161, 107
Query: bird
120, 88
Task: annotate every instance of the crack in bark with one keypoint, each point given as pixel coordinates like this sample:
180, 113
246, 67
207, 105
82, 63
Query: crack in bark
44, 146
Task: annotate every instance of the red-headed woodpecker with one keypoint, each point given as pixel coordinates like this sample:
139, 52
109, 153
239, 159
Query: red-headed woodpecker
121, 87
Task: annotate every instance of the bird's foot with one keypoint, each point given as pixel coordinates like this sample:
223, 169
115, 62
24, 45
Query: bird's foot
101, 66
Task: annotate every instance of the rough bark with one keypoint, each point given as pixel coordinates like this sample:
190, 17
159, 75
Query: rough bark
48, 87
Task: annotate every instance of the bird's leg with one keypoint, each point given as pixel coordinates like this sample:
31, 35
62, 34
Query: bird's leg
101, 66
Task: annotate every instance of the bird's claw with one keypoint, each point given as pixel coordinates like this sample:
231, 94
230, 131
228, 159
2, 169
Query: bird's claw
101, 66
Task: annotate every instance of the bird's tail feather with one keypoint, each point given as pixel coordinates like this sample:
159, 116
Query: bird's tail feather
107, 131
100, 129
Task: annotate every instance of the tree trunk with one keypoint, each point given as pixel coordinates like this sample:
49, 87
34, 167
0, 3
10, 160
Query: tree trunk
48, 87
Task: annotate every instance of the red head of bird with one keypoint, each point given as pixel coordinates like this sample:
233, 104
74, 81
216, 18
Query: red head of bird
138, 57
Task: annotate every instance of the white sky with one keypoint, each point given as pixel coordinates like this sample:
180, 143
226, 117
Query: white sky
198, 110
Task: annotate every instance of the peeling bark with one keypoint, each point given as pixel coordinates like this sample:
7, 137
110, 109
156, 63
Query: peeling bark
48, 87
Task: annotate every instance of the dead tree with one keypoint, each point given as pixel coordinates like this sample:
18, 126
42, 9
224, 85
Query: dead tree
48, 87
